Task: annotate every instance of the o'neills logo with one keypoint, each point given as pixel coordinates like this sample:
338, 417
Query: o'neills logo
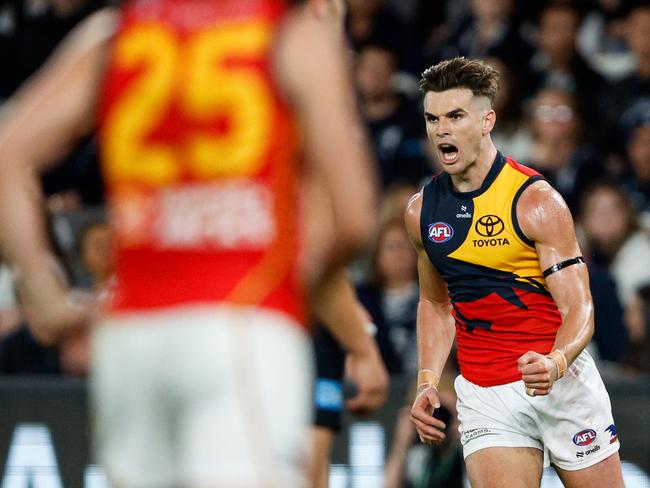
490, 226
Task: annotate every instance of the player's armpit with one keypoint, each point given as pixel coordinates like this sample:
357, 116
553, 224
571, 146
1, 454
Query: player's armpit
545, 219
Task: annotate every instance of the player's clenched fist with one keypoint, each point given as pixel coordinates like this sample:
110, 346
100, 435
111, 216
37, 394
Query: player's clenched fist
539, 372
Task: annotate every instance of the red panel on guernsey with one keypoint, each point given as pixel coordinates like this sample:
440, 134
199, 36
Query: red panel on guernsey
521, 168
199, 153
514, 332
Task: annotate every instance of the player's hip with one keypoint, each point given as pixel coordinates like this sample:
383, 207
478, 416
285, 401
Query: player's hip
573, 425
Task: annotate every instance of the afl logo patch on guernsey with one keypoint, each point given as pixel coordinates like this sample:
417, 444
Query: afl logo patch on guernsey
584, 437
489, 226
440, 232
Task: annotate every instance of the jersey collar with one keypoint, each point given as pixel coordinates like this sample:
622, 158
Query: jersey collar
498, 164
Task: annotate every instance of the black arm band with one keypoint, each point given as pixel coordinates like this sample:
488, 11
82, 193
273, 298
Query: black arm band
562, 265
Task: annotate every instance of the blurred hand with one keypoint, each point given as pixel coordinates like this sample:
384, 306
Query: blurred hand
369, 375
74, 352
49, 308
429, 429
538, 372
330, 11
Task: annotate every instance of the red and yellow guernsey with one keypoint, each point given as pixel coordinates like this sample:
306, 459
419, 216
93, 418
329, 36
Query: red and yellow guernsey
501, 304
199, 156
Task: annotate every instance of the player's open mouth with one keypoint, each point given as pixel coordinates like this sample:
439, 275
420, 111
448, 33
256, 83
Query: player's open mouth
449, 152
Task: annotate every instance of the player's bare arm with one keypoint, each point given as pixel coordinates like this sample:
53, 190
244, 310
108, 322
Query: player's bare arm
545, 218
435, 331
39, 125
331, 11
338, 309
314, 72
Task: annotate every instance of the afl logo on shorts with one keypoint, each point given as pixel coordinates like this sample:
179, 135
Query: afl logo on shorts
440, 232
584, 437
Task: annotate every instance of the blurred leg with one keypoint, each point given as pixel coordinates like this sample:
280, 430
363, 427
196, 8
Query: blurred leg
319, 465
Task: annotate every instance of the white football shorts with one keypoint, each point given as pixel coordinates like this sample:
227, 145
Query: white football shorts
203, 396
573, 425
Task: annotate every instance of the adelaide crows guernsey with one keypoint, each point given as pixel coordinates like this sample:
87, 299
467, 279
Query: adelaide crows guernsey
501, 304
199, 154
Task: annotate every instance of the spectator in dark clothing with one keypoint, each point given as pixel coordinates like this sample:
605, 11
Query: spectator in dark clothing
610, 334
78, 176
637, 358
372, 21
30, 33
557, 150
510, 134
637, 179
391, 297
22, 354
96, 254
489, 31
558, 64
629, 91
413, 464
393, 120
612, 236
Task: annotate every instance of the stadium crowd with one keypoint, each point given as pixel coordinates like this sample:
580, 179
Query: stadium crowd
574, 104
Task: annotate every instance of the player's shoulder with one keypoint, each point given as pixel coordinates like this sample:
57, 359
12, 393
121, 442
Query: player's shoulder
541, 211
412, 215
541, 193
521, 168
94, 31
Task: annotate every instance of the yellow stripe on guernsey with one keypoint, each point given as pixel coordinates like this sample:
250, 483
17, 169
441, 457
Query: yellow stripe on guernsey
492, 240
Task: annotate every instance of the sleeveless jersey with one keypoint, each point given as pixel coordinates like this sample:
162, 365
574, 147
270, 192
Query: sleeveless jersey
199, 157
501, 304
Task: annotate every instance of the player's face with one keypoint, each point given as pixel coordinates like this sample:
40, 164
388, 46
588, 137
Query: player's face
456, 122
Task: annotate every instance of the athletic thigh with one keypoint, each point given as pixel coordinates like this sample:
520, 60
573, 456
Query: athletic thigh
319, 464
607, 473
514, 467
252, 430
132, 420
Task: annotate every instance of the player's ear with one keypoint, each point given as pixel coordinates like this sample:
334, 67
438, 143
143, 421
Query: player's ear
488, 121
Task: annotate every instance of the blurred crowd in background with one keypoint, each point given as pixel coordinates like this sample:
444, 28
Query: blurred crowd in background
574, 103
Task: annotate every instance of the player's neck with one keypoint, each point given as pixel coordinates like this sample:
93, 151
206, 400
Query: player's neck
472, 178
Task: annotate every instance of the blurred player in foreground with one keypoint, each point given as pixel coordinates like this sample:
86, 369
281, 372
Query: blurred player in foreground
498, 256
336, 362
200, 369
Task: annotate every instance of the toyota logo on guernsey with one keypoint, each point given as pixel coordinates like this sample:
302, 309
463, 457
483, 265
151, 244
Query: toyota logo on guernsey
489, 226
440, 232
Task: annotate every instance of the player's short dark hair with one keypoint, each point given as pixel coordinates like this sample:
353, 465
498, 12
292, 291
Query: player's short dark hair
473, 74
